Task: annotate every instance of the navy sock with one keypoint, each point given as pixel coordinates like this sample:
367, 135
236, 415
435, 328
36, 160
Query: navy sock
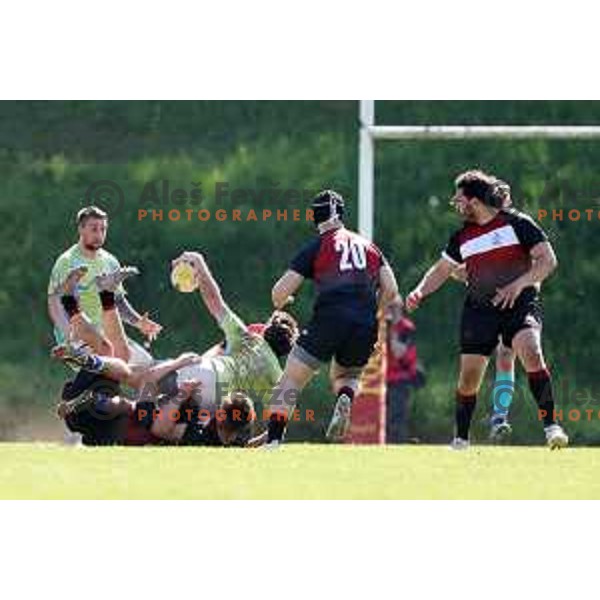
107, 299
276, 427
70, 305
540, 384
465, 405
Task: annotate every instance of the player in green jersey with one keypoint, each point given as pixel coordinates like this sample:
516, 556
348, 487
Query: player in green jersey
92, 263
250, 361
249, 365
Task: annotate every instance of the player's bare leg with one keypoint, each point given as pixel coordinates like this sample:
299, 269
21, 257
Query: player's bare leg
296, 376
135, 377
96, 355
472, 370
82, 330
527, 344
111, 321
110, 366
149, 375
113, 326
505, 358
115, 332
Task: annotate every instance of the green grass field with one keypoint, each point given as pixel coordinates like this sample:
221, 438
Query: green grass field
297, 471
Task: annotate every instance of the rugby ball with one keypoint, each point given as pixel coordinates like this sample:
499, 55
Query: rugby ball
183, 277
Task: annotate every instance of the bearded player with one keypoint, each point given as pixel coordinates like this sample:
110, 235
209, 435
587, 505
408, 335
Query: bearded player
504, 380
84, 270
507, 257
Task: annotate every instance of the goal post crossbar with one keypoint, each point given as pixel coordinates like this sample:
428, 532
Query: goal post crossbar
466, 132
370, 133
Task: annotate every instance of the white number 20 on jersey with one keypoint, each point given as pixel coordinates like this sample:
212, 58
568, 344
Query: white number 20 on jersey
353, 255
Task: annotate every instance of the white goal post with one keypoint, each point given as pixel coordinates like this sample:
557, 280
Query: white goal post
369, 133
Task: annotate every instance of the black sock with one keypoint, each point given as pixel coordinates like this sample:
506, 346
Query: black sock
107, 299
83, 381
277, 425
540, 384
70, 305
465, 405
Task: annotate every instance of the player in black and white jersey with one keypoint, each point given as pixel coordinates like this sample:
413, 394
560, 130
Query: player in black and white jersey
506, 256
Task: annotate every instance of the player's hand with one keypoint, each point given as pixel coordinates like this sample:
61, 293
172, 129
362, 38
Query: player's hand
62, 409
413, 300
460, 274
194, 258
188, 358
506, 296
148, 327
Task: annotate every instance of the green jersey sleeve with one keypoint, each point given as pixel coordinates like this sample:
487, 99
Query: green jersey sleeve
235, 330
59, 273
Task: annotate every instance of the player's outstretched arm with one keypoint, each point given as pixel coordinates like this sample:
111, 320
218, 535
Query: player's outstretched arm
285, 288
207, 285
431, 282
132, 317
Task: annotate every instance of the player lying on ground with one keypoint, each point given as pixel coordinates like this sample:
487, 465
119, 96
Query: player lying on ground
93, 261
250, 362
507, 257
93, 406
353, 281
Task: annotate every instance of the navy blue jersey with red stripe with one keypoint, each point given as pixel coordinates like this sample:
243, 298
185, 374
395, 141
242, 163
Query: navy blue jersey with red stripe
495, 253
345, 269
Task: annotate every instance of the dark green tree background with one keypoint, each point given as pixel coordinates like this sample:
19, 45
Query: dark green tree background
50, 153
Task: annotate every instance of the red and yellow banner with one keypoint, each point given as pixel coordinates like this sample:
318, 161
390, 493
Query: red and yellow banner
368, 408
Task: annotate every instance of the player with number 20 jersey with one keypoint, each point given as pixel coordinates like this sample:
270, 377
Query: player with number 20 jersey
352, 279
345, 269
